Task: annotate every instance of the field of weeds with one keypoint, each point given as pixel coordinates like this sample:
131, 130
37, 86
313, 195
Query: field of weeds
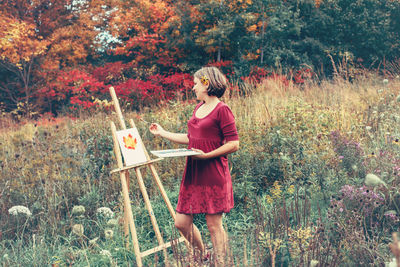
316, 181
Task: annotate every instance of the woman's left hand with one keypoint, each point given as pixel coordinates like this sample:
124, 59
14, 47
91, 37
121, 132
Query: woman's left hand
202, 155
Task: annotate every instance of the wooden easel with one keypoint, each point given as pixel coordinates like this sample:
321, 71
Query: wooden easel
129, 223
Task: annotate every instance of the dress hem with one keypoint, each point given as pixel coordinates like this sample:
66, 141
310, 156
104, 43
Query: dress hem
193, 213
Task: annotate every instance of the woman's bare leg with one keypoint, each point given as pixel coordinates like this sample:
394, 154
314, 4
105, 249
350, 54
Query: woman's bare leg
184, 223
218, 237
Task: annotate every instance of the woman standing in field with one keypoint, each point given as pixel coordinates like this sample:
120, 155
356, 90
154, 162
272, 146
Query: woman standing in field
206, 186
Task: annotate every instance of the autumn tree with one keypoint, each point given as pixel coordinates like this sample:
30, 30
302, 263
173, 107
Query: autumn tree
41, 37
20, 48
142, 27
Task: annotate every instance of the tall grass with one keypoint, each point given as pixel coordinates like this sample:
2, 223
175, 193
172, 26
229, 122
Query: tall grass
288, 170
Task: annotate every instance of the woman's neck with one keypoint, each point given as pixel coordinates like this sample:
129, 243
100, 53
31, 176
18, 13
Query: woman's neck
212, 100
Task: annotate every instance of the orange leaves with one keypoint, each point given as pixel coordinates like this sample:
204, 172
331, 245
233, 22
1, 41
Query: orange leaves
143, 24
19, 42
252, 28
129, 142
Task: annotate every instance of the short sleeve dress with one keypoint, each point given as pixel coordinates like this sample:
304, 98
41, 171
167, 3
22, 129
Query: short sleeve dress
206, 185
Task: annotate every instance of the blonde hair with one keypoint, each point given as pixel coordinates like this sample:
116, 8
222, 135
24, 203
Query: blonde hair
216, 80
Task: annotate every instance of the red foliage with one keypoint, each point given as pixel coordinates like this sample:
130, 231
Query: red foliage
257, 74
225, 66
75, 88
110, 73
157, 88
302, 75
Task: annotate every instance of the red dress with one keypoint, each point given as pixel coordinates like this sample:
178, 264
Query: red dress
206, 185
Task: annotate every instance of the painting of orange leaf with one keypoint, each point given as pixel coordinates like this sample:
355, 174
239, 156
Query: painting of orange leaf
130, 142
131, 146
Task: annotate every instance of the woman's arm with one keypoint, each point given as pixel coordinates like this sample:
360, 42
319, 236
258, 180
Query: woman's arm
179, 138
225, 149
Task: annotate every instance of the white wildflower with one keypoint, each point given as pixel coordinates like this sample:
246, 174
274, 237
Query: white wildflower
368, 128
78, 229
108, 233
78, 210
314, 263
19, 210
385, 81
105, 212
93, 242
373, 180
106, 253
112, 222
398, 98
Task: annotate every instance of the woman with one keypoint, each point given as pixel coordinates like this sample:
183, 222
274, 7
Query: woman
206, 186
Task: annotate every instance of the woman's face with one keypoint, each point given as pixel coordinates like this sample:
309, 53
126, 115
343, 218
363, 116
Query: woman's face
200, 89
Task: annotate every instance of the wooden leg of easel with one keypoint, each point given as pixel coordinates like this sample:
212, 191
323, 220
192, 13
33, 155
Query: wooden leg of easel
166, 199
126, 216
150, 209
129, 217
162, 190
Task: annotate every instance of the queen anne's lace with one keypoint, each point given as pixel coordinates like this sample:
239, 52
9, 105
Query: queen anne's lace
106, 212
16, 210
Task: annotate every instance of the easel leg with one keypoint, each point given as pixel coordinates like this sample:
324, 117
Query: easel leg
129, 217
150, 209
126, 217
166, 200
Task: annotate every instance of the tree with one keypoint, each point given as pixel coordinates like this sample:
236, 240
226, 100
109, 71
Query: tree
41, 37
20, 46
142, 27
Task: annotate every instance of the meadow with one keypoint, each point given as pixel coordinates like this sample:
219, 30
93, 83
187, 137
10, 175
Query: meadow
316, 180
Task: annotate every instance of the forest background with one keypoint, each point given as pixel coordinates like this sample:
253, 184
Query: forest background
315, 93
57, 56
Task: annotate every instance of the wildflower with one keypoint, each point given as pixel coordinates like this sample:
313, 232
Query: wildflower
385, 81
108, 233
291, 189
55, 260
93, 242
276, 190
314, 263
398, 98
78, 210
373, 180
16, 210
105, 212
368, 128
78, 230
396, 141
269, 199
112, 222
105, 252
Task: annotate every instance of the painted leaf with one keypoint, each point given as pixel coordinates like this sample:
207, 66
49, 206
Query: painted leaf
129, 142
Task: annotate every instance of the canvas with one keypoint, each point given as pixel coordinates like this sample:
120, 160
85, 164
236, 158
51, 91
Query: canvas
131, 146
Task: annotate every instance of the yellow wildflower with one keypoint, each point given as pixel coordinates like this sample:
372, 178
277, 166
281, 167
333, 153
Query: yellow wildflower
276, 191
269, 199
291, 189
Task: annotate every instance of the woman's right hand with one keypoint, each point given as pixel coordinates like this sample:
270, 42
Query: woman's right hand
156, 129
